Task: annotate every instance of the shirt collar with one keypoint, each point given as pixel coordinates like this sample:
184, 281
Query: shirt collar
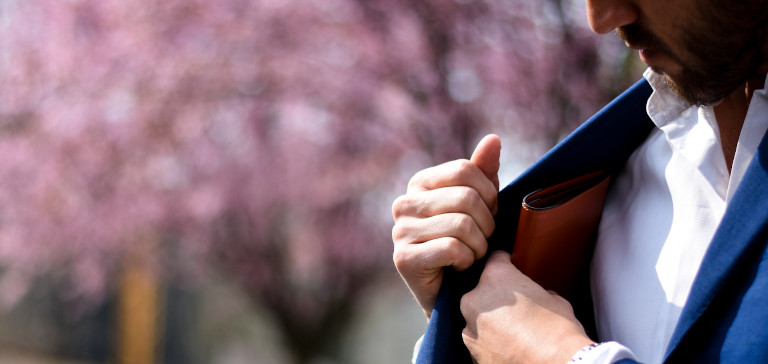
691, 131
664, 105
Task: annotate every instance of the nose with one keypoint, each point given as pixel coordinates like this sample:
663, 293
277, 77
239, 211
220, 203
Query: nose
606, 15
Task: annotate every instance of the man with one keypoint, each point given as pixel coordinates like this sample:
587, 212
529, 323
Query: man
680, 268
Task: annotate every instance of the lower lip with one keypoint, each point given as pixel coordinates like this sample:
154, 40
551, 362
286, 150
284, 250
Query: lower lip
647, 55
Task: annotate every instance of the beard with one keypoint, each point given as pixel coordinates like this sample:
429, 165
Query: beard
715, 59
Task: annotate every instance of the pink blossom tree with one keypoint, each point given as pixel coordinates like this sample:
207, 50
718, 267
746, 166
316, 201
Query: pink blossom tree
265, 137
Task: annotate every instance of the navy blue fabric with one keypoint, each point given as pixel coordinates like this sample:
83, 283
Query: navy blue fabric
726, 317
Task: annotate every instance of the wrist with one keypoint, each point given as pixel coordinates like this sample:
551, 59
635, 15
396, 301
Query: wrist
579, 356
605, 352
573, 346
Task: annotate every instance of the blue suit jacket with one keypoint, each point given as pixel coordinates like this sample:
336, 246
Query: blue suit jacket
726, 316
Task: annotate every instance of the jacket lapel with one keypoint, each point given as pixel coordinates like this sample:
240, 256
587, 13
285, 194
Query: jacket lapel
738, 238
603, 143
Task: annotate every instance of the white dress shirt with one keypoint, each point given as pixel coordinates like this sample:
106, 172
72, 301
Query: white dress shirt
660, 215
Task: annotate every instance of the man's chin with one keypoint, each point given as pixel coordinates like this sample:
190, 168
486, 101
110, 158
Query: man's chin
671, 74
690, 95
701, 89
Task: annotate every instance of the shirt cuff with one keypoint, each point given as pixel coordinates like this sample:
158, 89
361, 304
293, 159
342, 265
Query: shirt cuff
605, 353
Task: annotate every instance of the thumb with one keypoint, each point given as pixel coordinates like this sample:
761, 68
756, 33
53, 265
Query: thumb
486, 157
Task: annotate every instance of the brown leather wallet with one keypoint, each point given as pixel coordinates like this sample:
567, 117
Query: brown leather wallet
557, 230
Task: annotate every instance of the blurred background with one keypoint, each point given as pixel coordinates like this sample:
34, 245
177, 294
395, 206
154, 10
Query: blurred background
191, 181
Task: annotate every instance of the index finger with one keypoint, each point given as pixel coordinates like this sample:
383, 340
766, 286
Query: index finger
460, 172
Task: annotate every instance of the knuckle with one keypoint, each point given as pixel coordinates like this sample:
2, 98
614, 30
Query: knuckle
401, 206
466, 303
399, 256
464, 168
459, 254
463, 224
499, 257
400, 232
402, 259
561, 300
487, 227
496, 262
467, 194
452, 247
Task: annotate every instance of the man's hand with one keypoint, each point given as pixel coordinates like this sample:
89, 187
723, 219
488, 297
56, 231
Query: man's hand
511, 319
444, 218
